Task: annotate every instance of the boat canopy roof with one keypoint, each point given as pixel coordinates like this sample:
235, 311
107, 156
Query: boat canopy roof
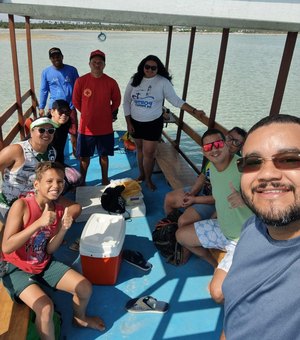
277, 15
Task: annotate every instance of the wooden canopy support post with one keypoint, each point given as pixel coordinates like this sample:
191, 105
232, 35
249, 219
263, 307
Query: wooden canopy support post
13, 44
218, 80
186, 83
283, 72
30, 65
169, 44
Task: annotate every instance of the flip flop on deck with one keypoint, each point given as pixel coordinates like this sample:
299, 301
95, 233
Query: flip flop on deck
146, 304
136, 259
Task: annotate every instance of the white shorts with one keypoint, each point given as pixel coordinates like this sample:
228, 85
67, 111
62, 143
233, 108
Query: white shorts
211, 236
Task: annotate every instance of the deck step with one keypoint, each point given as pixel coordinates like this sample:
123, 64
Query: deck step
14, 317
177, 171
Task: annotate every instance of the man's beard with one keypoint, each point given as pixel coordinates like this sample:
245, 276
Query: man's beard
275, 217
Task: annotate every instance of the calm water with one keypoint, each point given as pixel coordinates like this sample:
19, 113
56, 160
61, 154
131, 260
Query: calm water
249, 76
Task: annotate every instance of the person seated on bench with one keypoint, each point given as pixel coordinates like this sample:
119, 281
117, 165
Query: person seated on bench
35, 228
18, 162
232, 212
197, 201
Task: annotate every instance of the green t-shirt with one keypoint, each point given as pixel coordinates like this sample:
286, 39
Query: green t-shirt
230, 219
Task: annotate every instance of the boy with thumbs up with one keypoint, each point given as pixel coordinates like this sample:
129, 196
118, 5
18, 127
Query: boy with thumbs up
35, 228
224, 232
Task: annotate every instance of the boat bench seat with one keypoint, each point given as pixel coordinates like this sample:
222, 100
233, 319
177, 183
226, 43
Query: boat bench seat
14, 317
179, 174
177, 171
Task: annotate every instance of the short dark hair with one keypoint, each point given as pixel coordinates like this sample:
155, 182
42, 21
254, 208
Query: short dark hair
42, 167
210, 132
61, 105
240, 131
275, 119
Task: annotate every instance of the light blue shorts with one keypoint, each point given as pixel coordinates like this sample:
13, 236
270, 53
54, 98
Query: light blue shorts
211, 236
204, 210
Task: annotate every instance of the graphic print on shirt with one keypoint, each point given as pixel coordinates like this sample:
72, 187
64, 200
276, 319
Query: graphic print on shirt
87, 92
36, 246
143, 100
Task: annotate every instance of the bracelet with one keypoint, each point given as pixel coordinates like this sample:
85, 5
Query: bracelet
194, 109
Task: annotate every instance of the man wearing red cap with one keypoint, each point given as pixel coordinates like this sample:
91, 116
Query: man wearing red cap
97, 96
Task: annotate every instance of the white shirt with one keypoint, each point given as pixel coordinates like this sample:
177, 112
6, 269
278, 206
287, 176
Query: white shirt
144, 102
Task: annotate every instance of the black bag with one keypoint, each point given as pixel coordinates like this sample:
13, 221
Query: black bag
165, 241
112, 201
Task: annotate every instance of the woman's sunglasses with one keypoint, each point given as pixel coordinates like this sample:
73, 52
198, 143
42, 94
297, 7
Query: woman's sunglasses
49, 130
235, 142
67, 113
218, 144
153, 68
281, 161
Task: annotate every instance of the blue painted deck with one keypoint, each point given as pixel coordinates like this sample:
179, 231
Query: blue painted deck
192, 313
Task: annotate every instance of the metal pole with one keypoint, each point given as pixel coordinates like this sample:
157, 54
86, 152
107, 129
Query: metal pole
186, 82
283, 72
30, 65
218, 80
13, 45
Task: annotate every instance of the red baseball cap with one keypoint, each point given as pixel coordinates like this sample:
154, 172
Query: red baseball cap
97, 53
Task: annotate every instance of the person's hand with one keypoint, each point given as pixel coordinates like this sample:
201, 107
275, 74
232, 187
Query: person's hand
235, 199
42, 112
130, 128
66, 220
48, 217
188, 200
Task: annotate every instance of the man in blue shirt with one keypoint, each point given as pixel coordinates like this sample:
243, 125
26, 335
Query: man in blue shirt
262, 287
58, 81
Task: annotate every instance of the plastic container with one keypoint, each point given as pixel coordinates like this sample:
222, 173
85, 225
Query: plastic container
101, 244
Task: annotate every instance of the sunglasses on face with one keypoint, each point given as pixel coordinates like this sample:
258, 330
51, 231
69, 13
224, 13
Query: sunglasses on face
234, 141
153, 68
281, 161
218, 144
49, 130
67, 113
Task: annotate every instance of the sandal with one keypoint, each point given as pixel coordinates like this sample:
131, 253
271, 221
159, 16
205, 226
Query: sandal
136, 259
146, 304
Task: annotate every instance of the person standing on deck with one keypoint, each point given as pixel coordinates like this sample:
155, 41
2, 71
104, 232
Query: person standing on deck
262, 287
58, 81
224, 232
97, 96
143, 101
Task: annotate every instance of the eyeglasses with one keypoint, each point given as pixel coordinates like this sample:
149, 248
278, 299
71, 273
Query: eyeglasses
234, 141
218, 144
281, 161
49, 130
67, 113
153, 68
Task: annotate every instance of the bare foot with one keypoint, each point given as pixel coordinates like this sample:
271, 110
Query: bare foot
140, 179
105, 182
151, 185
91, 322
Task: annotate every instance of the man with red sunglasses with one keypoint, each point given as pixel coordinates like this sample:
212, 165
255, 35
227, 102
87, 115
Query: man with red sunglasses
222, 233
262, 287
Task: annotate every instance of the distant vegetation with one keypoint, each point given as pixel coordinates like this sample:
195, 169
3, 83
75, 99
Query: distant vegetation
63, 25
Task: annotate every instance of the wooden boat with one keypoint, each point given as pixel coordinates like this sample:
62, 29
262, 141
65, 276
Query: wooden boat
192, 314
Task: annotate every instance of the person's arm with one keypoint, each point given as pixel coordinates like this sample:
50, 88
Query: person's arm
15, 236
74, 208
198, 185
191, 109
127, 107
10, 156
115, 97
64, 226
76, 97
44, 90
